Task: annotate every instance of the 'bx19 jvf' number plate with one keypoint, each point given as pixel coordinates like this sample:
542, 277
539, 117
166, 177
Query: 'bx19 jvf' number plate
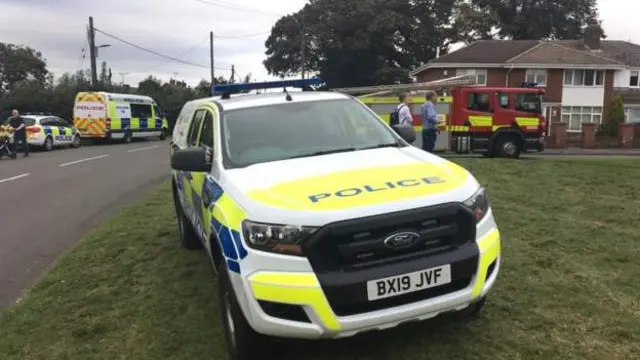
407, 283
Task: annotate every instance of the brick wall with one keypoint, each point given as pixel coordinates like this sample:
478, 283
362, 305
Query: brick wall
608, 94
435, 74
555, 79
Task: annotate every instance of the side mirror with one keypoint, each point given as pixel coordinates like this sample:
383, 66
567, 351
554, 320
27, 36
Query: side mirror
191, 159
406, 133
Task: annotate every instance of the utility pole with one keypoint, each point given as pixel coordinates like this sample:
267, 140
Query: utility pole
303, 47
213, 71
92, 52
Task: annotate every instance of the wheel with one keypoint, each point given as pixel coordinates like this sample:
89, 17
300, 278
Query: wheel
474, 309
48, 144
163, 134
76, 142
188, 238
508, 146
128, 137
243, 343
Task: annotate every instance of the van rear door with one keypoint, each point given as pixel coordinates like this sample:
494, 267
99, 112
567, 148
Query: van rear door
90, 114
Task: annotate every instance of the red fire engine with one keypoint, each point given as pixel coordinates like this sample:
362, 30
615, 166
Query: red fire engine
494, 121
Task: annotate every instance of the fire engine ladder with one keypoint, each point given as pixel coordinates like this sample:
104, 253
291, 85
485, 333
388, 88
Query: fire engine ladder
367, 91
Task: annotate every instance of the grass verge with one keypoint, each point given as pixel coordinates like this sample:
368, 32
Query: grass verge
568, 287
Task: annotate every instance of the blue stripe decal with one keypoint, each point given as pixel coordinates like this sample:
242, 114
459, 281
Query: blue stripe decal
236, 239
62, 130
158, 123
226, 241
47, 130
125, 123
143, 123
233, 266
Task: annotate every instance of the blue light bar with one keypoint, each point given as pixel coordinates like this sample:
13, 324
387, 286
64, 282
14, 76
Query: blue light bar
236, 88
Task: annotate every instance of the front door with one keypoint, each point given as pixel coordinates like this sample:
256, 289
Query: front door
187, 178
201, 196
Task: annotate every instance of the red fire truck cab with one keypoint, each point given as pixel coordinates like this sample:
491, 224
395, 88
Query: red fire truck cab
496, 121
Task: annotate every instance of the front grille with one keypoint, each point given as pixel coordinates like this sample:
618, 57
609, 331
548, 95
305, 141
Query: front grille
359, 244
346, 255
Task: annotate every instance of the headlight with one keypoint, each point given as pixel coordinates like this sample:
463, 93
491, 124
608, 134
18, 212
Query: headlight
479, 204
282, 239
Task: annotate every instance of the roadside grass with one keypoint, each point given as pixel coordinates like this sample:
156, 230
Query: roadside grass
568, 288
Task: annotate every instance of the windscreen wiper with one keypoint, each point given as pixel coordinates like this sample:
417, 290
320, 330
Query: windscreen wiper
393, 144
323, 152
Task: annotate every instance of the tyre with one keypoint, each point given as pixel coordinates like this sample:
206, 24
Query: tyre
509, 146
128, 137
76, 142
243, 343
163, 134
188, 238
48, 144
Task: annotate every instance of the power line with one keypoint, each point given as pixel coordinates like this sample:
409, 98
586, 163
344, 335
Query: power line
181, 54
243, 36
229, 6
173, 59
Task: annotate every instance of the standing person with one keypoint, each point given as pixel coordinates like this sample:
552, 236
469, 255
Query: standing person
404, 110
429, 123
20, 133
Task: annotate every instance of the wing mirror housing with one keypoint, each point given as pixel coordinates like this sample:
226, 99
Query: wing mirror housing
196, 159
406, 133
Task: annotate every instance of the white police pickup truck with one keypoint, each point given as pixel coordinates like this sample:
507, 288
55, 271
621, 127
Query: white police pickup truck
321, 220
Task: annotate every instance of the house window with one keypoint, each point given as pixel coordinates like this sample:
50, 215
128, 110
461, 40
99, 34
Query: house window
584, 77
574, 116
633, 79
632, 115
537, 76
481, 75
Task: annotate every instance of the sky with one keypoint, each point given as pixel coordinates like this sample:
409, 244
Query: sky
180, 29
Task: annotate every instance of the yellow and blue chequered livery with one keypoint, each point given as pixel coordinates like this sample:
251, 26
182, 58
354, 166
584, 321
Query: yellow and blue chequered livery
118, 116
327, 245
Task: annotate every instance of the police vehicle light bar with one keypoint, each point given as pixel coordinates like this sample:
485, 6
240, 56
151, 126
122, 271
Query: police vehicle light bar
236, 88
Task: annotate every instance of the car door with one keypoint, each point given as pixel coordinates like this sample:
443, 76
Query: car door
201, 196
185, 178
65, 131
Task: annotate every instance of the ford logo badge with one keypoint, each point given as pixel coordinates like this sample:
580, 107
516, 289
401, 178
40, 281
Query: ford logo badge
402, 240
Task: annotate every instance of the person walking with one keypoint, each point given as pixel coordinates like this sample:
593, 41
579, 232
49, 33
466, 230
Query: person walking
19, 133
429, 123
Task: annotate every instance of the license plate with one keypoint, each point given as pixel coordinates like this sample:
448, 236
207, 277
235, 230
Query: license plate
407, 283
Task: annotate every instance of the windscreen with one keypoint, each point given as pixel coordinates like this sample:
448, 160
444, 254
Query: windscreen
278, 132
529, 102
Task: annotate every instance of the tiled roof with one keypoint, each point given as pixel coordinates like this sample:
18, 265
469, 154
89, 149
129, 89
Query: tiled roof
497, 52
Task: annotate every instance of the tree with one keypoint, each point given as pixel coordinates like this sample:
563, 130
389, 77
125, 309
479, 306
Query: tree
524, 19
19, 64
364, 42
616, 117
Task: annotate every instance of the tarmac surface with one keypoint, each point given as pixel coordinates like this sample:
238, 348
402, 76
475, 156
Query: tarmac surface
49, 201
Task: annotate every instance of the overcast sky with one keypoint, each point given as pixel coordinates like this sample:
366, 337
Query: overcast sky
180, 28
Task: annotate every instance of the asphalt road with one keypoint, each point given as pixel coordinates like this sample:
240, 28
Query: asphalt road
48, 201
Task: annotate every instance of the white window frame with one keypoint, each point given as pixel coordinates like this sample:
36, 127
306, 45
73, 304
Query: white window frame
572, 114
627, 115
536, 74
478, 72
582, 73
637, 74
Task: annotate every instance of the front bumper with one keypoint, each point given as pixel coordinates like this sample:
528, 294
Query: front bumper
303, 289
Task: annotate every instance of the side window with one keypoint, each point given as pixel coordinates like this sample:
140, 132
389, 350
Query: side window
140, 111
528, 103
503, 100
194, 131
157, 111
46, 122
478, 102
206, 134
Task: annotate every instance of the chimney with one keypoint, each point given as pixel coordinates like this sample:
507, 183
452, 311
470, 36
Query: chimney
592, 36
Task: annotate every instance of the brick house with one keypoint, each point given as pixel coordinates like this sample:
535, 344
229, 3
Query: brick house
580, 76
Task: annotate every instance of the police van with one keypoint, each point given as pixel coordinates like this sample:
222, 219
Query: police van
321, 220
124, 117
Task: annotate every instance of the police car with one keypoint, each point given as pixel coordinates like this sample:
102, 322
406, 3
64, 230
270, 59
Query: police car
321, 220
47, 132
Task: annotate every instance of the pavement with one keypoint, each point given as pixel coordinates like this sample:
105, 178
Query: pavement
49, 201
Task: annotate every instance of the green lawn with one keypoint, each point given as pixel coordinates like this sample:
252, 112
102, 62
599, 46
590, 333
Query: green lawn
568, 288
